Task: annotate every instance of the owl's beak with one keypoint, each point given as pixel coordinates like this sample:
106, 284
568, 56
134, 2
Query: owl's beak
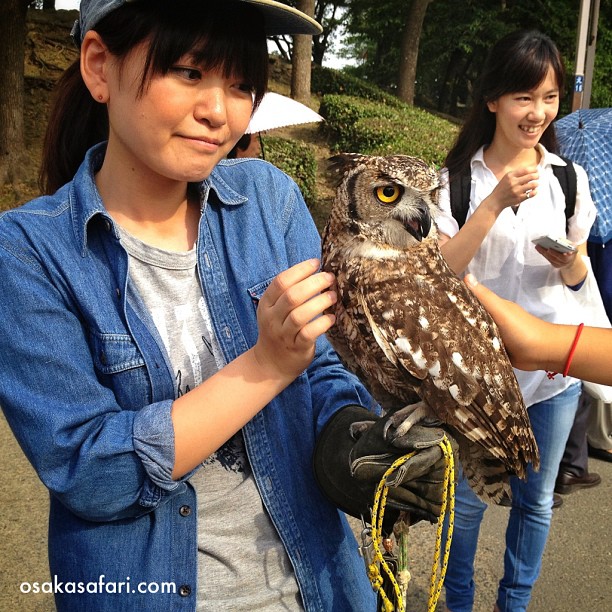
420, 226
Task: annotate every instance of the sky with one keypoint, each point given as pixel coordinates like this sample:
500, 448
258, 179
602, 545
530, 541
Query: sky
67, 4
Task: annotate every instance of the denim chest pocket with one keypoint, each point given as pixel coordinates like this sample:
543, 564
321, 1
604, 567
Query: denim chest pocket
256, 291
121, 367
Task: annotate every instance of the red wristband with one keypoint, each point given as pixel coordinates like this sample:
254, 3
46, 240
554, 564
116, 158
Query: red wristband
573, 349
571, 354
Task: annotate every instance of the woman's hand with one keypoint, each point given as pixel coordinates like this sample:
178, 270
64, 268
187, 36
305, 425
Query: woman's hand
291, 317
556, 259
513, 188
571, 265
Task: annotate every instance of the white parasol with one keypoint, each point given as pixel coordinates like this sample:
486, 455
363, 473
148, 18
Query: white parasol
276, 111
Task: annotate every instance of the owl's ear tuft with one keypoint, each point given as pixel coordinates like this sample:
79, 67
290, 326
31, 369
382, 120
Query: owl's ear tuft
343, 162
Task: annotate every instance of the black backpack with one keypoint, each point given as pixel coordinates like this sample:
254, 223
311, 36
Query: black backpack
460, 186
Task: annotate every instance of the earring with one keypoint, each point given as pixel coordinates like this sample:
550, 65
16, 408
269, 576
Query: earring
100, 97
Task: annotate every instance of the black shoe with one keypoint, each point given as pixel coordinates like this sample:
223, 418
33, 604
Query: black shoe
600, 453
507, 502
568, 483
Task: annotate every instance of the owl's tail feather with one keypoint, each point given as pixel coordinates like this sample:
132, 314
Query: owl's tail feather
506, 437
487, 476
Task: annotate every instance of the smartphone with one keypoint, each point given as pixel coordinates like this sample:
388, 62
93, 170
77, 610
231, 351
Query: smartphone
558, 244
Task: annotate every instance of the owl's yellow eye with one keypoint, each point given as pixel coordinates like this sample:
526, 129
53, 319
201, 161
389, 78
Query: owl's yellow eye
389, 194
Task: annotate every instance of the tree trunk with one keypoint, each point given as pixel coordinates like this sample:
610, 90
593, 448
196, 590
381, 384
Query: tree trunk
455, 67
12, 56
325, 11
410, 50
302, 58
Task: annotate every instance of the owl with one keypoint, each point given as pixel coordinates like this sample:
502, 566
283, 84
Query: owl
411, 330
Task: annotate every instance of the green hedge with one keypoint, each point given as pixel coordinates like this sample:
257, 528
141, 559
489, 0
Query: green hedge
363, 126
296, 159
329, 81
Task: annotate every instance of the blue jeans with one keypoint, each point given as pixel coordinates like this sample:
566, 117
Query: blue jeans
529, 520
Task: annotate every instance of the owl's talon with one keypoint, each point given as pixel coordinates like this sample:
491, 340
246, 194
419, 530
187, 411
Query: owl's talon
392, 435
358, 428
386, 427
406, 417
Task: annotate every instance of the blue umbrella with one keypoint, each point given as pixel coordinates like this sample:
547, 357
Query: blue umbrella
585, 136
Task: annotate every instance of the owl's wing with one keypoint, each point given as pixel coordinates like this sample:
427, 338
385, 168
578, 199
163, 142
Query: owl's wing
431, 327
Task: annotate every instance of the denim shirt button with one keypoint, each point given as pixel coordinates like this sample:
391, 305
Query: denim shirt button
185, 510
107, 225
184, 590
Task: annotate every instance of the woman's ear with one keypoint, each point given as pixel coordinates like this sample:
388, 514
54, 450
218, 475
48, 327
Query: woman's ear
95, 58
492, 106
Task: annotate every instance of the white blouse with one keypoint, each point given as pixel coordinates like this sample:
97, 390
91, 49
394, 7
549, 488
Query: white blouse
508, 263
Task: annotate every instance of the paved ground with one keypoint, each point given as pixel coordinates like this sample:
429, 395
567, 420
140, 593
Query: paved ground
576, 572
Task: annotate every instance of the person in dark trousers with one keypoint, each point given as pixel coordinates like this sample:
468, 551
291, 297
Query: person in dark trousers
574, 467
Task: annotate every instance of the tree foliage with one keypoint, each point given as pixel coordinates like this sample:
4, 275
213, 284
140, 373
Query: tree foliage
374, 35
455, 40
330, 14
601, 96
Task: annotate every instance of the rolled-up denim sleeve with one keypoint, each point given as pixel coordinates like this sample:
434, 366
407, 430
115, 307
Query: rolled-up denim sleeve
154, 444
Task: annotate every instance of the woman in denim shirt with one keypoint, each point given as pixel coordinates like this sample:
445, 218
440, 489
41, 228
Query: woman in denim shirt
162, 353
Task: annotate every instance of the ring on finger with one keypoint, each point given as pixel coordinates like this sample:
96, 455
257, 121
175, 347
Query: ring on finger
528, 193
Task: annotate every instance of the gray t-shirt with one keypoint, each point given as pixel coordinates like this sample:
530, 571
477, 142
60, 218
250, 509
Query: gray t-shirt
242, 564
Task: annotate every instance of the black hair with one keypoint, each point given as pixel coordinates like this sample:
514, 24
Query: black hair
242, 145
518, 62
220, 35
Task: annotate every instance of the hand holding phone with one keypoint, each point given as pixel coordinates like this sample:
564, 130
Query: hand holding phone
562, 245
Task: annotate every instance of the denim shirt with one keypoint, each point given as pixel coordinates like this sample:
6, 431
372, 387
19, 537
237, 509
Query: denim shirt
87, 389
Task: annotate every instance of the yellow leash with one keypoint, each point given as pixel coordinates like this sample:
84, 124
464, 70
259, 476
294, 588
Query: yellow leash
378, 513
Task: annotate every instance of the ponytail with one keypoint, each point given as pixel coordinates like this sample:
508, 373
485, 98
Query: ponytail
76, 123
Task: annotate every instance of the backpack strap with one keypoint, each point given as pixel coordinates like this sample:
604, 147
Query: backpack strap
460, 191
566, 175
460, 187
